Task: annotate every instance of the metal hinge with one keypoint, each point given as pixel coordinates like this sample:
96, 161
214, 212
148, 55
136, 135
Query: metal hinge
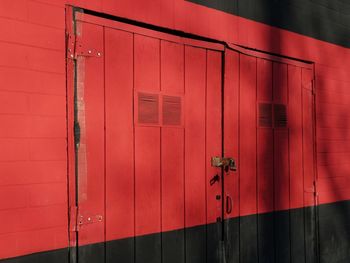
88, 219
77, 219
76, 47
70, 43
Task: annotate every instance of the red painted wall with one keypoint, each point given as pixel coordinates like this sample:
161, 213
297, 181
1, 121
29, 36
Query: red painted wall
33, 149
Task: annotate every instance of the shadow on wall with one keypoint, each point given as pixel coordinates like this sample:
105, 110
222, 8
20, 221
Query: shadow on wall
332, 124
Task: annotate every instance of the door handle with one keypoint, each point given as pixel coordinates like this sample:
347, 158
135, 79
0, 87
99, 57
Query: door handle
215, 179
228, 204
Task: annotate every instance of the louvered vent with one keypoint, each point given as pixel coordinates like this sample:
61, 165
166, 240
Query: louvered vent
148, 108
265, 115
171, 110
280, 115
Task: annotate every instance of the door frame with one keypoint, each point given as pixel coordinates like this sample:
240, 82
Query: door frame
74, 14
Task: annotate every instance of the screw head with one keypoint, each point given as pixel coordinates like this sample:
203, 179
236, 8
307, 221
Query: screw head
89, 51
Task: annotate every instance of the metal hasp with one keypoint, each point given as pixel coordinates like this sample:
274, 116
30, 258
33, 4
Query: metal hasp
229, 164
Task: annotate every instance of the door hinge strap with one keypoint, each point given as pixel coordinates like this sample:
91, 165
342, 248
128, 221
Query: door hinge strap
76, 47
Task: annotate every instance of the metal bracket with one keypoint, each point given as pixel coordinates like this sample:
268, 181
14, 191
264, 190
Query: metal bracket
76, 47
226, 163
77, 220
82, 50
70, 43
88, 219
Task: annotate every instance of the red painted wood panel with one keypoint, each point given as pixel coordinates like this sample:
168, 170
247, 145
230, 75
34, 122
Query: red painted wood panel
295, 124
36, 58
172, 67
91, 152
147, 140
147, 63
195, 185
172, 140
13, 9
231, 126
213, 133
147, 180
173, 188
281, 169
280, 83
119, 134
36, 218
45, 239
308, 140
17, 172
189, 18
247, 130
281, 140
37, 80
265, 169
264, 80
31, 34
44, 14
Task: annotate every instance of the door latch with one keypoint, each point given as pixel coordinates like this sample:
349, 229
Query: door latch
229, 164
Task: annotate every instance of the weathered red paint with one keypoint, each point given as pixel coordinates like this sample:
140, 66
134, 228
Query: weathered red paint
33, 113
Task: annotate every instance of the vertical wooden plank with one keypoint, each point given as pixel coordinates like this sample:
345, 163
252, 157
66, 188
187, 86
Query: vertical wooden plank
265, 195
195, 196
248, 186
119, 145
91, 152
147, 66
281, 190
231, 142
296, 165
281, 168
213, 148
173, 190
308, 137
309, 162
172, 67
296, 141
264, 80
71, 161
147, 156
147, 194
280, 83
173, 194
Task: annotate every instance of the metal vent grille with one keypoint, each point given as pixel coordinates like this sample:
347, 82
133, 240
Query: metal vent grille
171, 110
280, 115
265, 115
148, 108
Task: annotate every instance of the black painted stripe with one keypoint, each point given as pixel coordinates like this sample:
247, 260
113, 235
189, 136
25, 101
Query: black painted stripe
54, 256
285, 236
326, 20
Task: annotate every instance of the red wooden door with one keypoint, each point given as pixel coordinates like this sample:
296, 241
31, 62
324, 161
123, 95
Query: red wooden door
150, 115
269, 127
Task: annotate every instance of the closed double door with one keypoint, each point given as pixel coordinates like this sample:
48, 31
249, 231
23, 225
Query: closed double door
155, 115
